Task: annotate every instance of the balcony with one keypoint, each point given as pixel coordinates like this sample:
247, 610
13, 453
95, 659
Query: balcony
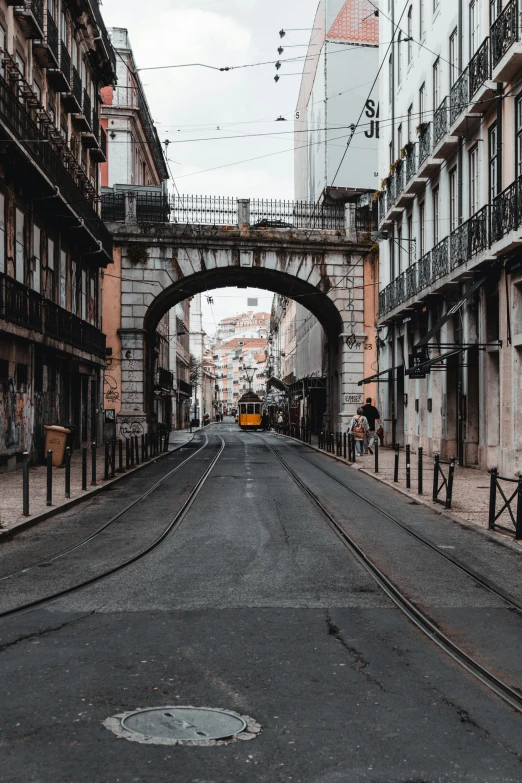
444, 145
184, 388
30, 17
60, 78
20, 304
46, 49
506, 49
428, 164
72, 98
25, 307
99, 150
56, 165
481, 89
506, 217
83, 119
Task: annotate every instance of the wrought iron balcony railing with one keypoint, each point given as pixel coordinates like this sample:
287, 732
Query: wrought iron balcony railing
440, 259
424, 142
52, 36
76, 87
411, 281
459, 96
479, 68
21, 305
459, 245
440, 121
411, 161
505, 211
87, 107
17, 119
30, 16
424, 271
505, 31
479, 231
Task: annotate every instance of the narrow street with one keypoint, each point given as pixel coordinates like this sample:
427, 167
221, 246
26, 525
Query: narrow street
251, 603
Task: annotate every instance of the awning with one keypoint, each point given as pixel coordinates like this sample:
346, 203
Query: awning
378, 375
451, 312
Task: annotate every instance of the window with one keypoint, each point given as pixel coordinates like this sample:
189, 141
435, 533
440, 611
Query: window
390, 77
410, 126
36, 259
518, 133
399, 57
436, 233
83, 314
454, 199
2, 233
436, 84
399, 138
453, 57
74, 288
2, 37
422, 100
495, 8
410, 240
20, 246
493, 162
421, 19
410, 34
63, 279
474, 27
399, 250
473, 180
49, 277
390, 150
422, 236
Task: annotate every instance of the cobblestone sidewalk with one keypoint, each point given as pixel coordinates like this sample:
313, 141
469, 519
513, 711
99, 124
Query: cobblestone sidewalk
11, 503
470, 500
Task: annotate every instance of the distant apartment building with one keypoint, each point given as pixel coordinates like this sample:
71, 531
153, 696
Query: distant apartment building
249, 324
55, 57
239, 364
179, 337
450, 304
134, 164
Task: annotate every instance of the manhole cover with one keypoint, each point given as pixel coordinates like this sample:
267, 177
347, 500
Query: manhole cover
183, 726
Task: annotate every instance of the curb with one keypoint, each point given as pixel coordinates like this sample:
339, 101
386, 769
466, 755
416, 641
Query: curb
19, 527
492, 535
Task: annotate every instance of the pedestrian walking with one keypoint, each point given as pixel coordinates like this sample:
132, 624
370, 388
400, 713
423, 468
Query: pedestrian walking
265, 421
372, 417
359, 427
280, 422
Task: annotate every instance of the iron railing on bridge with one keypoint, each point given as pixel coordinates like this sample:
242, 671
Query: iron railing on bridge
204, 210
296, 214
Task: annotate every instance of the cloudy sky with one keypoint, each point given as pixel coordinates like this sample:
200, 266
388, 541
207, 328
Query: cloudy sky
189, 104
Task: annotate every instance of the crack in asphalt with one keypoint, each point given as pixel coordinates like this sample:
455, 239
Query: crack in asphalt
287, 537
44, 631
360, 663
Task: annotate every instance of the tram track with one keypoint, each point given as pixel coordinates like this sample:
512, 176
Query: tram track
172, 526
416, 615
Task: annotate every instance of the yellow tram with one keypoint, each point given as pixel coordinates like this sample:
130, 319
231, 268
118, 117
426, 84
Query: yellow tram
250, 411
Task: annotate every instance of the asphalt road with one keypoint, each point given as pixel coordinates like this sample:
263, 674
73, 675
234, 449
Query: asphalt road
253, 605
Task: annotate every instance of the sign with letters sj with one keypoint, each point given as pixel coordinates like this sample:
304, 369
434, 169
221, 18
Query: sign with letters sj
417, 359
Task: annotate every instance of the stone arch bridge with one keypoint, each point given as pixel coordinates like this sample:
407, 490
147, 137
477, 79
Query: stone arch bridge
159, 263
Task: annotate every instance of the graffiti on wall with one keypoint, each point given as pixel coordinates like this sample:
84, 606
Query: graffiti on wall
16, 418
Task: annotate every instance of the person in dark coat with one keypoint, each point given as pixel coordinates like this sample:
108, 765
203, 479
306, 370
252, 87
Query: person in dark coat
372, 416
265, 421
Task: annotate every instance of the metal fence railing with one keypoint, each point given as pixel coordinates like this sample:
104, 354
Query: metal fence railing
296, 214
507, 498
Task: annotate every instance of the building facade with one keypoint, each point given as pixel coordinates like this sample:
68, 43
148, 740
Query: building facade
134, 164
55, 57
344, 44
239, 364
450, 302
179, 340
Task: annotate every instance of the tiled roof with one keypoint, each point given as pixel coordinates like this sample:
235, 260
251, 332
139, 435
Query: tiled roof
356, 22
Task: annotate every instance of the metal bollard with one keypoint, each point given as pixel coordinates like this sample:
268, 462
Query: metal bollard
67, 472
449, 488
396, 468
26, 484
106, 475
49, 501
419, 470
408, 467
131, 447
344, 445
518, 526
436, 459
113, 458
376, 452
84, 469
136, 450
142, 447
166, 442
93, 464
493, 498
146, 446
120, 455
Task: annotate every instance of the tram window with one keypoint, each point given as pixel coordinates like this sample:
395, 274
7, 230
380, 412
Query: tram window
243, 409
257, 409
250, 408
